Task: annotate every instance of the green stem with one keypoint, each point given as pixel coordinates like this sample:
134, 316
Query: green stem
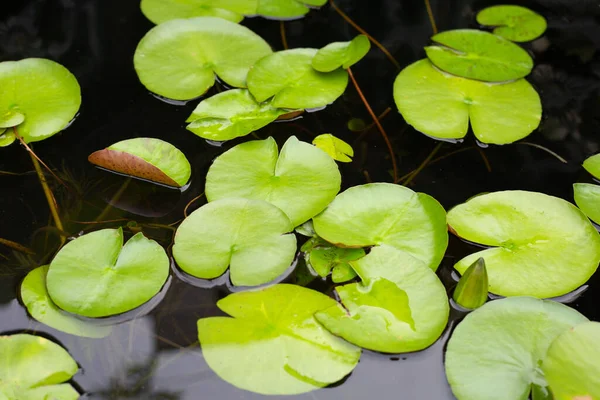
16, 246
423, 164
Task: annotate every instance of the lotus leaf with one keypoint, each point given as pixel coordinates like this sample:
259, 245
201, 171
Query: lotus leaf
479, 55
33, 367
402, 306
96, 276
301, 181
179, 59
541, 246
335, 260
382, 213
336, 148
587, 198
441, 105
39, 97
290, 80
572, 364
592, 165
515, 23
496, 351
273, 344
159, 11
341, 54
248, 235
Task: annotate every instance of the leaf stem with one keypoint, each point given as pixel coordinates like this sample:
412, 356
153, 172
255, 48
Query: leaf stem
537, 146
423, 164
185, 210
431, 18
435, 160
488, 166
283, 36
16, 246
113, 200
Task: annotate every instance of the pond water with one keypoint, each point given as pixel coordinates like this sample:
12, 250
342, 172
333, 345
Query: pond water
155, 355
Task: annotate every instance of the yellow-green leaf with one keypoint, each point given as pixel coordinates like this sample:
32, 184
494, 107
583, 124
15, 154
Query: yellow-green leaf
336, 148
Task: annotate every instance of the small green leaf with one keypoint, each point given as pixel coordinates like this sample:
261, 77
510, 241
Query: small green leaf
306, 229
343, 273
7, 137
592, 165
336, 148
324, 259
515, 23
587, 198
286, 9
341, 54
356, 125
11, 118
159, 11
472, 289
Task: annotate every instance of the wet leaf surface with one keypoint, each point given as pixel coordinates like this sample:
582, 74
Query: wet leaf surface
512, 22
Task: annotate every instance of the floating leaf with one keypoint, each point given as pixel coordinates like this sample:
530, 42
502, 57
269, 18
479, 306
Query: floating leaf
301, 180
6, 137
515, 23
342, 273
146, 158
592, 165
382, 213
472, 289
331, 259
289, 78
336, 148
43, 95
159, 11
541, 246
496, 350
441, 105
587, 198
273, 344
306, 229
572, 364
38, 303
231, 114
180, 58
96, 276
474, 54
33, 367
402, 306
249, 235
341, 54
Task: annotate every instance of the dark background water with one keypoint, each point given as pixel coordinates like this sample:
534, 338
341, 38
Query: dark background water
156, 356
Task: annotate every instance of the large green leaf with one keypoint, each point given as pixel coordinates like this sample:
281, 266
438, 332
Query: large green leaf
479, 55
592, 165
587, 198
441, 105
289, 78
34, 368
180, 58
515, 23
285, 9
383, 213
273, 344
496, 351
249, 235
96, 276
572, 364
38, 96
341, 54
541, 246
301, 181
159, 11
401, 307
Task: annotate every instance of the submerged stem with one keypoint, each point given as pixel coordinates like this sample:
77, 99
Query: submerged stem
423, 164
113, 200
537, 146
488, 166
431, 18
283, 37
185, 210
16, 246
440, 158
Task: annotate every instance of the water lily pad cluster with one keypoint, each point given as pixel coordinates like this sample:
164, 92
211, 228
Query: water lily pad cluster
587, 195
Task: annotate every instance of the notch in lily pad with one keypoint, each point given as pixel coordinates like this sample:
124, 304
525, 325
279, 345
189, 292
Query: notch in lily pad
145, 158
472, 289
341, 54
516, 23
335, 147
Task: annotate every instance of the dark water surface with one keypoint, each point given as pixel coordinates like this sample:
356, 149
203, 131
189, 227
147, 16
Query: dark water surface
156, 355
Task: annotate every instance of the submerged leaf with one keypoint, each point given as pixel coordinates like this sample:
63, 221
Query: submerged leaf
341, 54
336, 148
472, 289
515, 23
587, 198
159, 11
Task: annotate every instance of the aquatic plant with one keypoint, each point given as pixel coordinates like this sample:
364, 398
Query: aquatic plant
512, 22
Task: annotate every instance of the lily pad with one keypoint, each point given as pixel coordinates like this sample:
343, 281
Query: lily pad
301, 181
231, 114
41, 307
572, 364
400, 307
341, 54
286, 9
541, 246
515, 23
496, 351
38, 96
290, 80
440, 105
251, 236
96, 276
480, 55
273, 344
179, 59
592, 165
33, 367
146, 158
587, 198
386, 214
336, 148
6, 137
159, 11
333, 260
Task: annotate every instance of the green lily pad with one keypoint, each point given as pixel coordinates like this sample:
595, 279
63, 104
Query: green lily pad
341, 54
440, 105
336, 148
496, 351
41, 307
6, 137
96, 276
231, 114
38, 114
592, 165
290, 80
251, 236
400, 307
587, 198
541, 246
33, 367
179, 59
159, 11
333, 260
572, 364
480, 55
146, 158
515, 23
273, 344
301, 181
382, 213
